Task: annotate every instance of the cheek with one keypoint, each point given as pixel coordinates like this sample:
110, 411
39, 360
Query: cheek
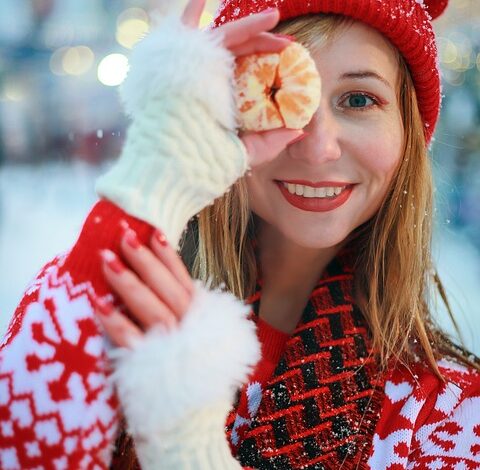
378, 160
380, 164
262, 197
380, 155
255, 191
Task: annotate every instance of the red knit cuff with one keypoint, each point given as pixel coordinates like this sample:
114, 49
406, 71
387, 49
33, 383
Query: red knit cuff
102, 229
273, 341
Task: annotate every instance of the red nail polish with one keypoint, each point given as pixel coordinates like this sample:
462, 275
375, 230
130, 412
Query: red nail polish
286, 36
124, 225
112, 261
161, 238
132, 239
298, 138
268, 11
103, 307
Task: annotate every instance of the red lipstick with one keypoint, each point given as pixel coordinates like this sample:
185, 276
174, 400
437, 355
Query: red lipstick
316, 204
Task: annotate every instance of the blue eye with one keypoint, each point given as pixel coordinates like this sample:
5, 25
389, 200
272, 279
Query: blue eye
359, 101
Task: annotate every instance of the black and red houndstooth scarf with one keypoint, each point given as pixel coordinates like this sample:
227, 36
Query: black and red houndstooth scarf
319, 408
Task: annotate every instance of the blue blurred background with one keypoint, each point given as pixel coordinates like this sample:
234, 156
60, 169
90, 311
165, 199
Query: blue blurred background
61, 123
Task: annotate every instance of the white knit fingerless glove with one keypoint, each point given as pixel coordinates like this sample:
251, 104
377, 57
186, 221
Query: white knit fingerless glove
181, 150
176, 388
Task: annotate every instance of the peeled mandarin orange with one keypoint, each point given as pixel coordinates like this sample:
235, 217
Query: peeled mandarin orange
277, 90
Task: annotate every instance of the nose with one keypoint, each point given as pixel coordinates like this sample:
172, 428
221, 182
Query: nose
322, 142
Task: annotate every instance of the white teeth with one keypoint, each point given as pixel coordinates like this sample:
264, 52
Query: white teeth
299, 189
309, 191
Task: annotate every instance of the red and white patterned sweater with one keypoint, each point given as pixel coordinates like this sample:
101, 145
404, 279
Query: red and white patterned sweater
59, 411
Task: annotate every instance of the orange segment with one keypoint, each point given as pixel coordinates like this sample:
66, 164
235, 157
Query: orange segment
255, 76
276, 90
299, 95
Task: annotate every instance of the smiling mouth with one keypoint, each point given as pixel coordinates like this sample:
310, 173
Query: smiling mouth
304, 197
315, 190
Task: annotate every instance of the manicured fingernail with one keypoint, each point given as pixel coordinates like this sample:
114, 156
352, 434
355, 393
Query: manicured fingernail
132, 239
103, 306
286, 36
124, 224
298, 138
268, 11
160, 237
112, 261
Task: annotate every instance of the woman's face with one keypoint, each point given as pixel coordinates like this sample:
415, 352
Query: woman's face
354, 142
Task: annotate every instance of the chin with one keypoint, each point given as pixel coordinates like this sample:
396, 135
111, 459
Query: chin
319, 239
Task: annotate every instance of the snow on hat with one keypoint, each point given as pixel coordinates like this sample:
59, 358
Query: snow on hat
406, 23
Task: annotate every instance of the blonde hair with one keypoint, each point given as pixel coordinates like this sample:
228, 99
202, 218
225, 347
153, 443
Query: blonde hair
394, 274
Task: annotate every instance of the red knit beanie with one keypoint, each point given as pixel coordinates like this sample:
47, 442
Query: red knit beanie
406, 23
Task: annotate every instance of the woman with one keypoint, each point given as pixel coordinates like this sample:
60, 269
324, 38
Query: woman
349, 370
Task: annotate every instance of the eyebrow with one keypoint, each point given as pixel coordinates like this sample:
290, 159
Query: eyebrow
362, 74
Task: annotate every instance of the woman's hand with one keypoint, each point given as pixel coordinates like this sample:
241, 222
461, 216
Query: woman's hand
156, 288
182, 351
249, 35
182, 149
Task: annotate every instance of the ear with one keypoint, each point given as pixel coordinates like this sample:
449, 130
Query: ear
436, 7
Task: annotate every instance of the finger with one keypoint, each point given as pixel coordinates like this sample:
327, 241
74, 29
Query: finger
192, 13
156, 275
146, 308
171, 259
263, 42
120, 330
237, 32
263, 147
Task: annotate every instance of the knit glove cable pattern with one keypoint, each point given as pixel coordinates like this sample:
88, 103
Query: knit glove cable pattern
181, 150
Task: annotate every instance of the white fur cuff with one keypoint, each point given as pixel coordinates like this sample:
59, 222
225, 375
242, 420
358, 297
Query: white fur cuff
176, 59
168, 376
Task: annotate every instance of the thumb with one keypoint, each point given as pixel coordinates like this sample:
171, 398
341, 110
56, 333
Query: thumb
263, 147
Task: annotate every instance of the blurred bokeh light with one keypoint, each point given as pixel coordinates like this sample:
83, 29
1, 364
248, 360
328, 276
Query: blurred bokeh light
113, 69
132, 25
